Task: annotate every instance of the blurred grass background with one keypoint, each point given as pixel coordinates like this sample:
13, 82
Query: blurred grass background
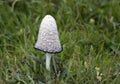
89, 32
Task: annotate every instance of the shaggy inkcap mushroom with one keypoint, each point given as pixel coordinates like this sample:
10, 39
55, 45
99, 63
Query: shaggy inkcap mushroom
48, 39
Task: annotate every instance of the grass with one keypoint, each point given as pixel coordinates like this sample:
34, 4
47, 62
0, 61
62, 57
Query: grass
89, 32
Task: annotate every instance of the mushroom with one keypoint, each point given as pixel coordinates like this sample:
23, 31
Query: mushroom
48, 39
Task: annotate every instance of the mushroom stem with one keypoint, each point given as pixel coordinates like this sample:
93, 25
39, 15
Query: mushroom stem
48, 58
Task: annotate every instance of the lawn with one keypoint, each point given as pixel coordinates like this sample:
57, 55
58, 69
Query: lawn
89, 32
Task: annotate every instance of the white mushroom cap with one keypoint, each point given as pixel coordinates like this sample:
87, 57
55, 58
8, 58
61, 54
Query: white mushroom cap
48, 39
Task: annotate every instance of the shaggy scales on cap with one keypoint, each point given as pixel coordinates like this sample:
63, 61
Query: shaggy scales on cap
48, 39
